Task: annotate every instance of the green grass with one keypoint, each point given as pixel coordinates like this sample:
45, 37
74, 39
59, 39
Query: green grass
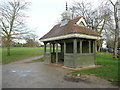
39, 60
0, 55
109, 71
19, 53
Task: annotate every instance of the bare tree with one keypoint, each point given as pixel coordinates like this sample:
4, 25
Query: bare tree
82, 9
96, 18
116, 26
12, 23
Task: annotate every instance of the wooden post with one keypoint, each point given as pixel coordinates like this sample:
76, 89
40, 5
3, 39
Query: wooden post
75, 46
50, 48
80, 46
89, 46
94, 52
61, 48
93, 47
64, 47
75, 51
45, 48
64, 51
53, 47
50, 53
56, 52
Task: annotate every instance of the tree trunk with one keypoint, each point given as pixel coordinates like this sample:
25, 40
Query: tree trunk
8, 50
115, 46
116, 33
99, 44
8, 47
99, 48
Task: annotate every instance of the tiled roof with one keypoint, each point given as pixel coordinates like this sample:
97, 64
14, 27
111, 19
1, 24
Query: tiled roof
69, 28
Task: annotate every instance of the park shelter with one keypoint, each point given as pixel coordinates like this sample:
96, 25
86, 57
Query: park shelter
70, 42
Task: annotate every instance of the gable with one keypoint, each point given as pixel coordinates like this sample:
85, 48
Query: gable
81, 22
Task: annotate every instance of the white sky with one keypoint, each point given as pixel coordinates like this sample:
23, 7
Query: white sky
44, 14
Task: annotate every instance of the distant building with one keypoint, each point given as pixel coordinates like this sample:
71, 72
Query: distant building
70, 42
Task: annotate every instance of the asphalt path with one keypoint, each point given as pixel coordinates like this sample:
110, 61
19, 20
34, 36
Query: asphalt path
41, 75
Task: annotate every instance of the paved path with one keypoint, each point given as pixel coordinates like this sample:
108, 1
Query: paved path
40, 75
0, 76
27, 60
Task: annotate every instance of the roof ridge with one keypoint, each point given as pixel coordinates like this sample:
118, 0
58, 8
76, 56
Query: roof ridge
76, 18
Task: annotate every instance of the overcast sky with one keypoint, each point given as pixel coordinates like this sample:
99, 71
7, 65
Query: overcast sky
44, 14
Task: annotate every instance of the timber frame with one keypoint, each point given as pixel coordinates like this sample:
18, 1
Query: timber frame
73, 52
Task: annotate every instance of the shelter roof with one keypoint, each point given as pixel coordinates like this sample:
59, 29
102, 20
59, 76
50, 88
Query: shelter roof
70, 28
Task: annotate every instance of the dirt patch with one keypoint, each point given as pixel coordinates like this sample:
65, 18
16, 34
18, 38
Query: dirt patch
72, 78
87, 79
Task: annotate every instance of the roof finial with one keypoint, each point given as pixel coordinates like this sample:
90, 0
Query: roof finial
66, 6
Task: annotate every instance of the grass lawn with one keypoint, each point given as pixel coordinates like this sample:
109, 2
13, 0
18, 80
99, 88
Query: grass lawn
39, 60
0, 55
19, 53
109, 71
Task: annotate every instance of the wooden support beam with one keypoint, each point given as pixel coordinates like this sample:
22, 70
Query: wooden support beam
45, 50
50, 48
53, 47
93, 46
56, 52
75, 51
89, 46
50, 52
81, 46
75, 46
61, 47
94, 51
64, 47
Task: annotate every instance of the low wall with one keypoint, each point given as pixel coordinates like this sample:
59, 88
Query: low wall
47, 57
83, 60
80, 60
51, 57
69, 60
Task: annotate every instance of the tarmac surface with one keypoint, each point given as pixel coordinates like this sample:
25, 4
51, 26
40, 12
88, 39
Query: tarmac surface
40, 75
0, 76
